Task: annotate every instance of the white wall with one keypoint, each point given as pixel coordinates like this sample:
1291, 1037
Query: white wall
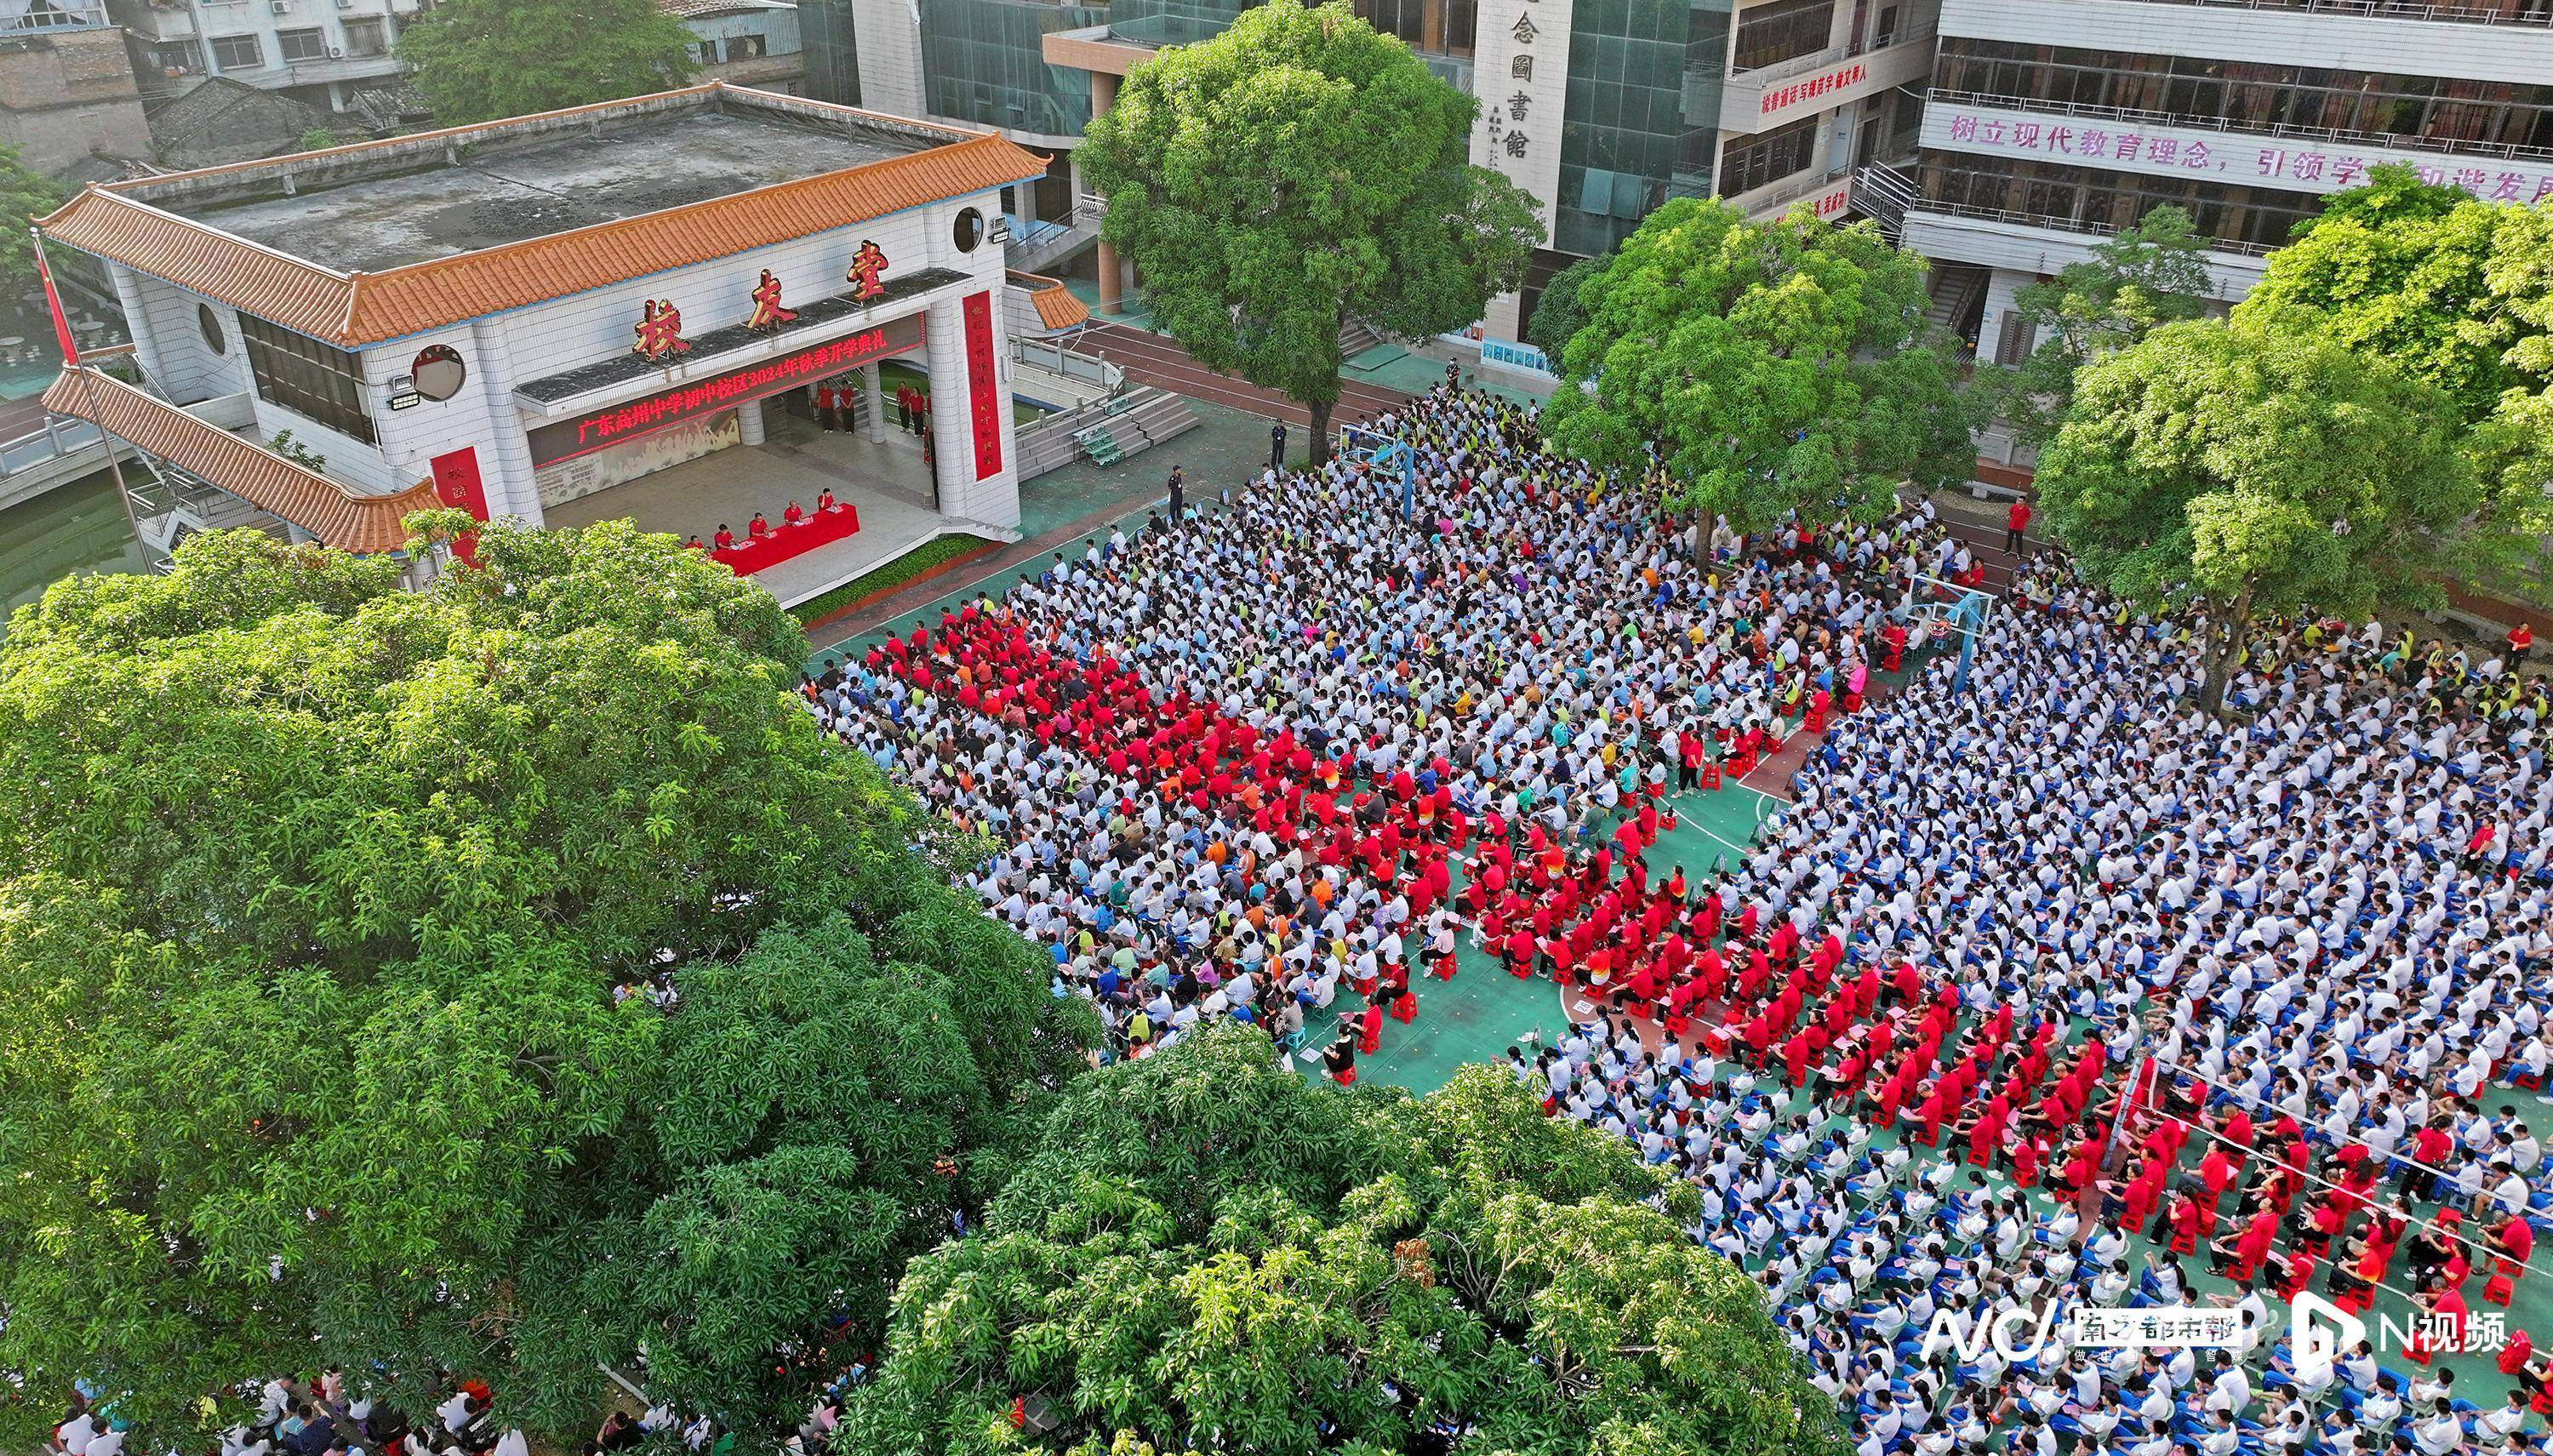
2507, 53
504, 352
890, 47
178, 355
2034, 250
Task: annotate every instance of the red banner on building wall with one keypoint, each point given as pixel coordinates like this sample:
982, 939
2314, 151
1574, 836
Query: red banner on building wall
457, 485
985, 405
568, 438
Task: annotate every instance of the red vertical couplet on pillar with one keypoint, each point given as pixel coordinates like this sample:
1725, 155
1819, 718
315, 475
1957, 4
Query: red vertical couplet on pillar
983, 386
457, 485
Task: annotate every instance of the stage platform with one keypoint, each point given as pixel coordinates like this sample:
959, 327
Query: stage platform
885, 481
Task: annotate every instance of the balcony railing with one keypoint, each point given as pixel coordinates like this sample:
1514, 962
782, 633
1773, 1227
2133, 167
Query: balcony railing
56, 17
2230, 127
2072, 225
2513, 13
1803, 65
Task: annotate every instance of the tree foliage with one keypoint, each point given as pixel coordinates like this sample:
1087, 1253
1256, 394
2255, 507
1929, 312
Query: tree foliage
1295, 171
2137, 279
316, 895
2457, 293
1205, 1253
2256, 464
1558, 315
482, 60
1776, 365
2451, 290
23, 193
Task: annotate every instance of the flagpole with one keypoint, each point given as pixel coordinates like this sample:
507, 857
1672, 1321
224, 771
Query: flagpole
88, 387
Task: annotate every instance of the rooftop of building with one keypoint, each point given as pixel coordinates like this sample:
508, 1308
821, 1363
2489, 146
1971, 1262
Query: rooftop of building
381, 239
507, 187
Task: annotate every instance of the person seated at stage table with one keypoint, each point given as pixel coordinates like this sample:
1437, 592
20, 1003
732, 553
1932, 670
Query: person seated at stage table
824, 501
724, 540
790, 515
757, 528
695, 544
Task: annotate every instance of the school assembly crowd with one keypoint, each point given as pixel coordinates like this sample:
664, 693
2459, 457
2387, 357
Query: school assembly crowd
1272, 762
322, 1416
2035, 995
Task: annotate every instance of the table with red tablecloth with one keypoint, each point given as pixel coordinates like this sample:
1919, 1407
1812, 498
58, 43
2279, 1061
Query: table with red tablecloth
820, 528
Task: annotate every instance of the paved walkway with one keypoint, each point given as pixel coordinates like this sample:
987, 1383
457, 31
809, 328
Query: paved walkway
1150, 359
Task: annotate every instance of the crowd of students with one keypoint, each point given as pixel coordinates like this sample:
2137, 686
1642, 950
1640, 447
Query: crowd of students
2029, 992
2043, 991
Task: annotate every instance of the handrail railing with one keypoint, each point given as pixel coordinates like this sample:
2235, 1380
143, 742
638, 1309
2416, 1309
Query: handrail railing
2227, 126
2070, 225
1799, 65
2537, 15
56, 440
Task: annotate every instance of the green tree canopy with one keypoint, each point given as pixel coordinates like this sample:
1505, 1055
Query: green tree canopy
1204, 1253
2137, 279
2451, 290
318, 895
1558, 315
2256, 464
1778, 366
2457, 293
482, 60
1295, 171
23, 193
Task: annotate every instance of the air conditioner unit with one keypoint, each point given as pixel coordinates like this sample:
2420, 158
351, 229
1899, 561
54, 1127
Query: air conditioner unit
336, 52
284, 7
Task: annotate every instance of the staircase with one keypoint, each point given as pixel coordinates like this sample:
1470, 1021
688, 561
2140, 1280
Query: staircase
1883, 195
1034, 247
1358, 337
1099, 444
1105, 431
1150, 420
1958, 292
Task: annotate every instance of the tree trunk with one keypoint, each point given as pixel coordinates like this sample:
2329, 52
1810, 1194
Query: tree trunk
2225, 633
1320, 410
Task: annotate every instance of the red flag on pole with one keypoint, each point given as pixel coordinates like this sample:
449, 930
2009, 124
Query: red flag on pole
54, 301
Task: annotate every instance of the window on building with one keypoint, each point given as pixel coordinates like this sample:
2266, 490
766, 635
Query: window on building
2245, 219
1784, 30
1777, 154
316, 381
704, 51
238, 53
2327, 105
303, 44
745, 48
365, 37
1462, 26
178, 59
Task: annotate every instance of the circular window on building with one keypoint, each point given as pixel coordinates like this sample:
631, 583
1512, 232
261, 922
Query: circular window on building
970, 229
438, 371
211, 323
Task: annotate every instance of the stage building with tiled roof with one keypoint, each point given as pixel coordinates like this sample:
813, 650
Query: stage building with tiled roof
661, 308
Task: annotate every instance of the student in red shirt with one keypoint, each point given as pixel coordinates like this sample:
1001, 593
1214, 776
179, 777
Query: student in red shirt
2016, 522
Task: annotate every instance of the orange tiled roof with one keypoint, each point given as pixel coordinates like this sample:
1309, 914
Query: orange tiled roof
337, 515
1056, 309
352, 309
